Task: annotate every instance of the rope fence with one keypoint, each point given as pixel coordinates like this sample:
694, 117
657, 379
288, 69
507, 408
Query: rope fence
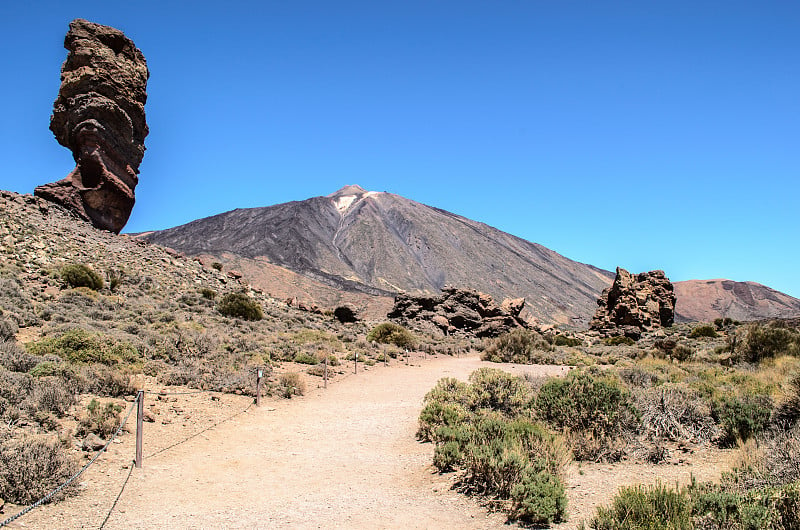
138, 404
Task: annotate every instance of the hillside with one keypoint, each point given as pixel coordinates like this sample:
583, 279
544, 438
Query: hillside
706, 300
381, 243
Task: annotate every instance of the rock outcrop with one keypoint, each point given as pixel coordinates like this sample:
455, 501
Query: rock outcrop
99, 116
464, 310
635, 303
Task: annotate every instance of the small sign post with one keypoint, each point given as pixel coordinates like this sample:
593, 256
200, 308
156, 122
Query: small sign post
258, 386
139, 420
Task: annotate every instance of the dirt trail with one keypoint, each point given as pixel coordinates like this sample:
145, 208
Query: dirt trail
342, 457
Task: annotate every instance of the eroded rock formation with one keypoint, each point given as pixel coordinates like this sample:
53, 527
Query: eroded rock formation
635, 303
460, 309
99, 116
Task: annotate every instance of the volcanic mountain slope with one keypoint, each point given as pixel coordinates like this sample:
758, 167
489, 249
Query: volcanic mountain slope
380, 243
705, 300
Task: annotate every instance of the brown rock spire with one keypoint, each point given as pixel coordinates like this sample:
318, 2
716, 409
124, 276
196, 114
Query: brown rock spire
99, 116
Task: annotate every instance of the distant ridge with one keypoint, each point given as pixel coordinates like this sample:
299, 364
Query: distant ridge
705, 300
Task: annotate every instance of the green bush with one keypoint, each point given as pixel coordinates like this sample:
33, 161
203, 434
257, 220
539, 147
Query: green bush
480, 428
563, 340
595, 410
741, 418
80, 346
208, 294
500, 391
305, 358
619, 340
101, 419
240, 305
391, 333
80, 275
518, 345
704, 330
768, 341
646, 507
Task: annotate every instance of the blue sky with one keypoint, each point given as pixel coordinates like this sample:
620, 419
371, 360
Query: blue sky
640, 134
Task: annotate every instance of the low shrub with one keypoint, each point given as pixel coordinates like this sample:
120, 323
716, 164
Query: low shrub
741, 418
675, 412
291, 384
305, 358
595, 410
8, 329
518, 345
208, 294
32, 466
391, 333
703, 331
500, 391
240, 305
787, 413
563, 340
80, 346
768, 341
681, 353
619, 340
345, 315
80, 275
101, 419
15, 358
643, 507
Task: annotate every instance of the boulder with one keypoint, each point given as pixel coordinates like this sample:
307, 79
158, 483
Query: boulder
635, 304
99, 116
466, 310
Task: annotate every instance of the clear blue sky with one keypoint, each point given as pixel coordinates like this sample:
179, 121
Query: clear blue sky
641, 134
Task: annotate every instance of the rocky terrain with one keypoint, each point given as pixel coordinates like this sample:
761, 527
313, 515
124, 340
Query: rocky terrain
99, 116
464, 310
380, 244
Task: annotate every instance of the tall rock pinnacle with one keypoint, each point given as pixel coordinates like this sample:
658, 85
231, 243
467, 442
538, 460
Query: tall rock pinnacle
99, 116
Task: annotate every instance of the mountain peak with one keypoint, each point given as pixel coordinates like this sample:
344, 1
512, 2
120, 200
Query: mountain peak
350, 189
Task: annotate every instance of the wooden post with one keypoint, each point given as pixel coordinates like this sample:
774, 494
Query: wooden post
325, 378
406, 356
139, 420
355, 362
258, 386
385, 357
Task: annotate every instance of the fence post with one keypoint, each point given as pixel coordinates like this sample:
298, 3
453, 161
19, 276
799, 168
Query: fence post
326, 371
258, 386
355, 362
139, 420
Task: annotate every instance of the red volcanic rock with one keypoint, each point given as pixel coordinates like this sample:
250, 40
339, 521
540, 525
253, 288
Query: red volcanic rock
635, 303
99, 116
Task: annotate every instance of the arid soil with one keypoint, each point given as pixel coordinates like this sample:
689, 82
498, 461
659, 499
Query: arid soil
341, 457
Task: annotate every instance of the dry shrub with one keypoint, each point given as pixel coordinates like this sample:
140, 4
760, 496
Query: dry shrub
518, 346
106, 381
675, 412
787, 414
770, 460
15, 358
291, 384
8, 329
49, 394
32, 466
